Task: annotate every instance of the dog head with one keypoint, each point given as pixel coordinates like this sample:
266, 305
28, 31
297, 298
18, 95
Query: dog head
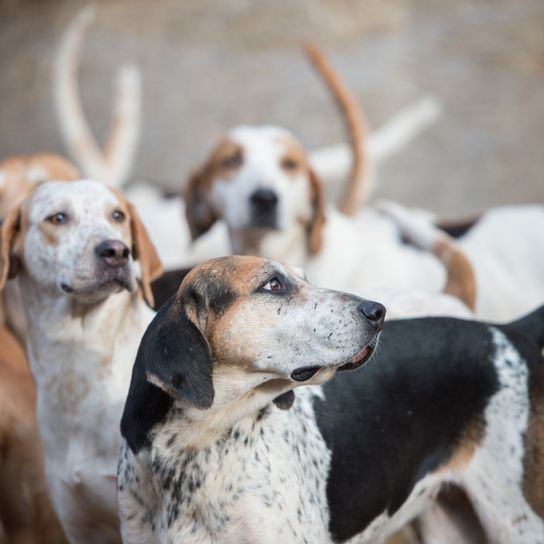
240, 332
77, 239
258, 180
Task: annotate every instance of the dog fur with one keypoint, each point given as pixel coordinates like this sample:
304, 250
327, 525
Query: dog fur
86, 315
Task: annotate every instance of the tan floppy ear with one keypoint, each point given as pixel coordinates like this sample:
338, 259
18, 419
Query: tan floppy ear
144, 251
10, 264
317, 222
198, 211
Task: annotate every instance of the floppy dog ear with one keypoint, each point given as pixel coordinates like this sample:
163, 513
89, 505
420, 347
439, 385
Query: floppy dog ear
144, 250
176, 356
317, 222
173, 362
198, 211
10, 264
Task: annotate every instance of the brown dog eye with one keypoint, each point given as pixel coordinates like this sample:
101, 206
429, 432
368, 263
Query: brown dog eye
58, 218
118, 216
289, 164
233, 161
274, 285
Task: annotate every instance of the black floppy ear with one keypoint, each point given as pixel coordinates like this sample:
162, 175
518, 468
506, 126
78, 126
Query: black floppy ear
174, 362
177, 358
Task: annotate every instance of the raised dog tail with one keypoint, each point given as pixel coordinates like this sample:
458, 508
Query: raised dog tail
423, 234
356, 126
113, 163
531, 325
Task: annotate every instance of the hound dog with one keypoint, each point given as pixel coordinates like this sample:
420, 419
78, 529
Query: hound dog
74, 247
219, 448
260, 182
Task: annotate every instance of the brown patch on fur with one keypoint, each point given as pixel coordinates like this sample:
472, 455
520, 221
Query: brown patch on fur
241, 273
22, 172
465, 448
142, 249
9, 234
49, 234
241, 276
461, 280
533, 461
224, 161
317, 222
293, 159
26, 514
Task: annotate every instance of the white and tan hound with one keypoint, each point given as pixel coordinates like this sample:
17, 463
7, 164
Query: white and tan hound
75, 248
219, 447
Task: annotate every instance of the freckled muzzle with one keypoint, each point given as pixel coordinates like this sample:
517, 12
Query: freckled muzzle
373, 314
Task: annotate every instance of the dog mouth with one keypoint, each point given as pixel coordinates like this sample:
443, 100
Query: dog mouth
358, 360
112, 282
304, 373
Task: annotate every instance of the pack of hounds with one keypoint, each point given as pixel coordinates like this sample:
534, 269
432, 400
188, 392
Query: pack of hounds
215, 400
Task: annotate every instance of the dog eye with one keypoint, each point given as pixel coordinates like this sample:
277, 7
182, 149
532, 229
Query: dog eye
289, 164
274, 286
58, 218
118, 216
233, 161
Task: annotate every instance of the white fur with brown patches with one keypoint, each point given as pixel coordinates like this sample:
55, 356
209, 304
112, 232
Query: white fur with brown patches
81, 346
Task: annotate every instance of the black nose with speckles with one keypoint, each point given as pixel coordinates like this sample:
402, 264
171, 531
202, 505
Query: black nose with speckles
113, 252
373, 311
264, 200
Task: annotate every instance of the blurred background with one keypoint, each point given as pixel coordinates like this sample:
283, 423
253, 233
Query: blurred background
208, 65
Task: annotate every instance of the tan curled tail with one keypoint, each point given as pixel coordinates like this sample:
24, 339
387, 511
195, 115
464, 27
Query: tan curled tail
112, 165
355, 124
461, 280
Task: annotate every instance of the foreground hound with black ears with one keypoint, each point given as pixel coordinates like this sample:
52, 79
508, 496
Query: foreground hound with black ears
220, 449
74, 246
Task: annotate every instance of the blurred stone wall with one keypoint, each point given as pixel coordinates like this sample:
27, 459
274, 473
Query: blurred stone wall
208, 65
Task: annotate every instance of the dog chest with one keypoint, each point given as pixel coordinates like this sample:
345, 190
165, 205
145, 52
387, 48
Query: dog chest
264, 479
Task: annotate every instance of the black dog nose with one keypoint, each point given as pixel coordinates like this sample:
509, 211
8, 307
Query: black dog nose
113, 252
373, 311
264, 199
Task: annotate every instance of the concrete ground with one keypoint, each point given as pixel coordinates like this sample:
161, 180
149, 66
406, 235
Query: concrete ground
210, 65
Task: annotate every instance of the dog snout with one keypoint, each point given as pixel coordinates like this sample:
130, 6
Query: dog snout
113, 252
264, 199
373, 311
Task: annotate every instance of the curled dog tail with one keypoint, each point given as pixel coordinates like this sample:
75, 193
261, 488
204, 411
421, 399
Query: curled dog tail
422, 233
531, 325
111, 165
356, 127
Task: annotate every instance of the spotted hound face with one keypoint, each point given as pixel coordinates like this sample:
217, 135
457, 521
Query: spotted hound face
78, 239
259, 181
242, 331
